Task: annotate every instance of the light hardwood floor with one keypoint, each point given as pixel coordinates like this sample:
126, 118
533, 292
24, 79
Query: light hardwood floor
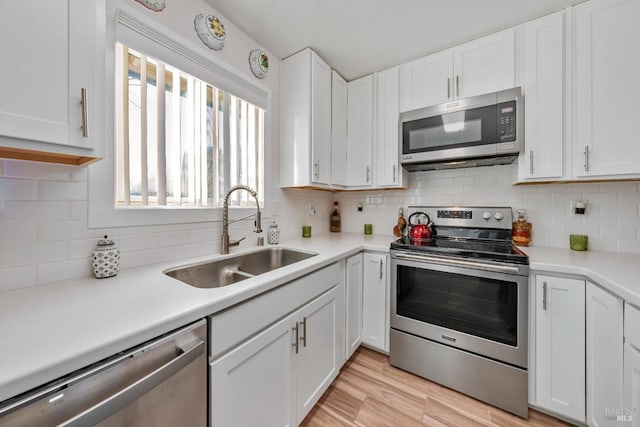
369, 392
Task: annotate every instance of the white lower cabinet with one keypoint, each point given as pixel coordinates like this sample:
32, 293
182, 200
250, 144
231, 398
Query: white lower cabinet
560, 346
631, 386
375, 312
353, 306
604, 356
275, 378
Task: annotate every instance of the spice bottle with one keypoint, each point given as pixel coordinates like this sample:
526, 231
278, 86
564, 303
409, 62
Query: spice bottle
521, 234
334, 220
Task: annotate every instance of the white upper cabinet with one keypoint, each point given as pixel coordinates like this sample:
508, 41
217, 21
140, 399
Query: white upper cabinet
305, 143
484, 65
52, 53
388, 171
338, 129
474, 68
360, 132
607, 60
426, 81
543, 75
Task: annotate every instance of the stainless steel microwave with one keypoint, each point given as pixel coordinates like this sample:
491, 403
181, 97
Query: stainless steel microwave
478, 131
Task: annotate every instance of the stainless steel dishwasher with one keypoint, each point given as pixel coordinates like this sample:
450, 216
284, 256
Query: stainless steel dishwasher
160, 383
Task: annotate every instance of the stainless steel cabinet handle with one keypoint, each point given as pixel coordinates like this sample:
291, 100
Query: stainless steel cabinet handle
544, 295
457, 85
394, 173
448, 87
531, 161
458, 263
381, 269
295, 342
586, 158
85, 112
304, 332
122, 398
316, 169
368, 173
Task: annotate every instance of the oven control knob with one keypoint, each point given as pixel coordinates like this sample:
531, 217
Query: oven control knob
499, 216
486, 216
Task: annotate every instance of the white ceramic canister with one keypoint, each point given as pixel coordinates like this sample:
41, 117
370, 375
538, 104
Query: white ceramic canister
105, 259
273, 235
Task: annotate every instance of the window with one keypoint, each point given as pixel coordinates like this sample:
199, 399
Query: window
181, 142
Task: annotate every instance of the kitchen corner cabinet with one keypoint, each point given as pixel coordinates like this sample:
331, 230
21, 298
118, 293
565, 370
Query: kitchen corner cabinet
375, 311
360, 132
542, 73
53, 54
353, 305
604, 355
606, 61
338, 130
305, 144
474, 68
560, 346
277, 376
388, 172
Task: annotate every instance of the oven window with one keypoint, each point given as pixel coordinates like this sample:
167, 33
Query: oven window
478, 306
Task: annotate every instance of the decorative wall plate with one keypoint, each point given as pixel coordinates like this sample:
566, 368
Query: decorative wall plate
259, 63
155, 5
210, 30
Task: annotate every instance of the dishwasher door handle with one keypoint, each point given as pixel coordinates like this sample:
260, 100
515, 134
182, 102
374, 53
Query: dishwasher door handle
132, 392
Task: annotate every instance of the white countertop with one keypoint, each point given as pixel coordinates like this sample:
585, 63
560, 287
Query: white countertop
48, 331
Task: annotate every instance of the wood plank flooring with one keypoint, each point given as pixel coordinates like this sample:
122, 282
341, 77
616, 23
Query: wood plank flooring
370, 392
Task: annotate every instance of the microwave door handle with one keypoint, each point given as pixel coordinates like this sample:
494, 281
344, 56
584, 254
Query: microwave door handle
459, 263
132, 392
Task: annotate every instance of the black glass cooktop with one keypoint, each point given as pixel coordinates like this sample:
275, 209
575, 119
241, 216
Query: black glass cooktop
495, 250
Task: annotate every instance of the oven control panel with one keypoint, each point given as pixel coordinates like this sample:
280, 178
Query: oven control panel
457, 214
463, 216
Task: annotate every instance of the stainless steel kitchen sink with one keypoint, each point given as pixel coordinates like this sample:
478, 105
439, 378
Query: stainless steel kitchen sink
229, 270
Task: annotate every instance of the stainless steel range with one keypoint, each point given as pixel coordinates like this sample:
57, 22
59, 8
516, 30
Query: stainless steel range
459, 305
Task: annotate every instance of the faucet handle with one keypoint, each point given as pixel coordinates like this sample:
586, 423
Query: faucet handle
236, 242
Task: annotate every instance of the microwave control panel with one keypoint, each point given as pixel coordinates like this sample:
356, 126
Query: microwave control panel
507, 121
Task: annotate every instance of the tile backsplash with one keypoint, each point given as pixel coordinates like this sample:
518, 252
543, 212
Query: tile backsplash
612, 219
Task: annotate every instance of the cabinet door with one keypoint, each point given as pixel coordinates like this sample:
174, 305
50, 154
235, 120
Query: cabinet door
604, 355
631, 385
320, 120
426, 81
484, 65
354, 303
388, 171
607, 59
543, 86
338, 129
360, 131
317, 361
255, 383
48, 58
374, 301
560, 346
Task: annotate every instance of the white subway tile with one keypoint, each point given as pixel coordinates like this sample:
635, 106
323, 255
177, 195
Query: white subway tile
632, 246
21, 255
56, 190
626, 209
67, 230
16, 278
174, 238
17, 189
35, 210
464, 181
78, 210
58, 271
17, 233
138, 242
39, 170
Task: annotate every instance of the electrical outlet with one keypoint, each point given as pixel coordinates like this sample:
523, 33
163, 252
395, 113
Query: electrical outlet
311, 209
578, 207
360, 207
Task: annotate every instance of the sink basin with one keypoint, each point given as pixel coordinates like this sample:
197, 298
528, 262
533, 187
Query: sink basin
229, 270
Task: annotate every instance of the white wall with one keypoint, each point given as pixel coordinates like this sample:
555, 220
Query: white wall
612, 221
43, 207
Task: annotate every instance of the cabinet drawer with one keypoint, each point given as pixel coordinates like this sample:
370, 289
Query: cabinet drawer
235, 325
632, 325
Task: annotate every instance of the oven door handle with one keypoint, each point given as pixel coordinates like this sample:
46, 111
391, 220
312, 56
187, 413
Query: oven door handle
459, 263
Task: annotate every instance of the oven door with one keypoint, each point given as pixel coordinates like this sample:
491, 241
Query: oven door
467, 304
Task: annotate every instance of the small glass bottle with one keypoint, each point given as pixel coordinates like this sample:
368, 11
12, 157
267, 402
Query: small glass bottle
334, 220
521, 233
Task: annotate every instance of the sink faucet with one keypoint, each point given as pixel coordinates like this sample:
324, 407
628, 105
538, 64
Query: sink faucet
225, 242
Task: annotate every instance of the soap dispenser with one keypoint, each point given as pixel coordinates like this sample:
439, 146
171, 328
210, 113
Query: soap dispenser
273, 235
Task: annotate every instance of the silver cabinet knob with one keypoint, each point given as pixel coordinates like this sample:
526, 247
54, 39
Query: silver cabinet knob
499, 216
486, 216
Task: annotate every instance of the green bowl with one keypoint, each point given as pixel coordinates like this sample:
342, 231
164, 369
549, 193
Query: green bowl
579, 242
